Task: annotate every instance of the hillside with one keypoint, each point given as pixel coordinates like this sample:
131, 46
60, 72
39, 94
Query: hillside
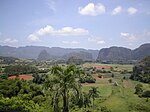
85, 56
43, 55
141, 52
123, 54
114, 54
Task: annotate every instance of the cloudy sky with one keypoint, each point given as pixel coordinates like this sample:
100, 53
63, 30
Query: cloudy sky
90, 24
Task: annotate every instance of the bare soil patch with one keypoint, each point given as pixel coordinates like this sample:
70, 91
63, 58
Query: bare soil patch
25, 77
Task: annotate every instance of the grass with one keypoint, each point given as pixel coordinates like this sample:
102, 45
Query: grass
116, 67
120, 98
104, 90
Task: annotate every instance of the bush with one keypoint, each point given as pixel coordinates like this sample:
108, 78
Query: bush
87, 78
100, 76
112, 75
110, 80
138, 89
146, 94
105, 109
90, 80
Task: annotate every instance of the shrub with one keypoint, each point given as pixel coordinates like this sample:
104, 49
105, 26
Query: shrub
110, 80
138, 89
100, 75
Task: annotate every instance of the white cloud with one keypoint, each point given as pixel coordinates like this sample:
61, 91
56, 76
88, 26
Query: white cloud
92, 40
49, 30
136, 37
128, 37
69, 31
33, 38
9, 41
116, 10
70, 42
44, 31
132, 10
101, 42
96, 40
92, 9
124, 34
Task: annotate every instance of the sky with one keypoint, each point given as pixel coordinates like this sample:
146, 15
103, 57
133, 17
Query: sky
89, 24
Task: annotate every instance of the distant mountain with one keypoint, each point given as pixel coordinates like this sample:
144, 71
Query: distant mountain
85, 56
114, 54
123, 54
141, 52
43, 55
32, 52
105, 54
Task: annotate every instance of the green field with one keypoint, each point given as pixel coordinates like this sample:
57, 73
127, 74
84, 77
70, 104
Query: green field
119, 98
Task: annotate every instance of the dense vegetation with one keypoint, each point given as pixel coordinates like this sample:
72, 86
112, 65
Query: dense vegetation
7, 60
19, 69
60, 86
89, 87
18, 95
141, 71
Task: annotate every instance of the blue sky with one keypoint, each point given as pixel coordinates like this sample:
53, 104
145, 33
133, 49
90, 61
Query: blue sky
89, 24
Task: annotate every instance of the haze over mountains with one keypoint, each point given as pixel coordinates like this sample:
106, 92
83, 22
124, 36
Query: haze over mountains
32, 52
105, 54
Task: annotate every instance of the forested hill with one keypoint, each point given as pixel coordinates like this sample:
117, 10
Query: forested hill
123, 54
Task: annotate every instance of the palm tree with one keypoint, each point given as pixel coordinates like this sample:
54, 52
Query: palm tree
64, 80
86, 99
93, 93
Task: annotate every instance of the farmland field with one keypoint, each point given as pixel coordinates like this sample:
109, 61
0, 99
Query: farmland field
119, 98
116, 89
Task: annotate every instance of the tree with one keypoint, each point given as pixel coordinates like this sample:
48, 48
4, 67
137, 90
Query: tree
141, 71
75, 60
146, 94
63, 81
112, 75
93, 93
138, 89
19, 69
86, 99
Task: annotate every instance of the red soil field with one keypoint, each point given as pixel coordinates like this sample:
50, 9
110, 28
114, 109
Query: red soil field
105, 80
25, 77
